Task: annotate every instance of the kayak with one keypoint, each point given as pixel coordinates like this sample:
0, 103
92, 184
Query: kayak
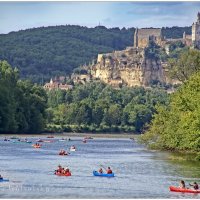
4, 180
61, 154
62, 140
60, 174
36, 146
95, 173
84, 141
186, 190
50, 136
71, 149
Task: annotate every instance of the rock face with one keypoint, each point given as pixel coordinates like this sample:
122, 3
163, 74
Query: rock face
129, 67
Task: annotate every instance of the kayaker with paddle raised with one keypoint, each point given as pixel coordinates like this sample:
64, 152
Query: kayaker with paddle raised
109, 171
195, 185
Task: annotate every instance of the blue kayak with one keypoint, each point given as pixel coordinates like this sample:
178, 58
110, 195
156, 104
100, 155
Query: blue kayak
3, 180
95, 173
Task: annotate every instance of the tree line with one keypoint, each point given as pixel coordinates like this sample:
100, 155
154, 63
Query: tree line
97, 107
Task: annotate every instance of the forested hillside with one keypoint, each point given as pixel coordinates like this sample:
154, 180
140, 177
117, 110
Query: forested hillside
48, 51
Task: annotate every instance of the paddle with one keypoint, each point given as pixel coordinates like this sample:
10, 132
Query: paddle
103, 167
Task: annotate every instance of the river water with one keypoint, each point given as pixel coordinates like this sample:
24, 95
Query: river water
140, 173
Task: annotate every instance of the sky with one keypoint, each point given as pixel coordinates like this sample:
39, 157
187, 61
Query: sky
23, 15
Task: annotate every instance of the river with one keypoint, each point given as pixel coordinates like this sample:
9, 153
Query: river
140, 173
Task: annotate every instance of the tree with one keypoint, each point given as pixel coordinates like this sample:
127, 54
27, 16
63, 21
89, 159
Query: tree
187, 64
177, 126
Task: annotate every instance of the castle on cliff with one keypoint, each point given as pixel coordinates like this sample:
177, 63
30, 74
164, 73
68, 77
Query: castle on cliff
143, 36
132, 67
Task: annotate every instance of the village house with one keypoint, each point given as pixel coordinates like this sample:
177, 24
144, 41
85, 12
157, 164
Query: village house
52, 85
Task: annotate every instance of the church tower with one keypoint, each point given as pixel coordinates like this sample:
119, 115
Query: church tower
196, 32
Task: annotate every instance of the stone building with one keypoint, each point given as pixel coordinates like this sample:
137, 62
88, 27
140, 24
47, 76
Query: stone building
52, 85
143, 36
80, 78
196, 32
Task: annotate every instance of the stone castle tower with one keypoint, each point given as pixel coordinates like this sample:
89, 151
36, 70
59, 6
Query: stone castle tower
196, 32
143, 36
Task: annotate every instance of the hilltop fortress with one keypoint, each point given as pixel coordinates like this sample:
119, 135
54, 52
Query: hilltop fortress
133, 66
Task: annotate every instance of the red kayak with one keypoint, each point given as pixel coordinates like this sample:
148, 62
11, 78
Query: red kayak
66, 174
186, 190
63, 154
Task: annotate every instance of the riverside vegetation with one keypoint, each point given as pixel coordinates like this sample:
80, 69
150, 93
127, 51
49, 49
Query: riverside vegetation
176, 127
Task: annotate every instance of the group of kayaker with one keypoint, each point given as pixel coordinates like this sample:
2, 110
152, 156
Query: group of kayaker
63, 152
37, 145
108, 171
195, 186
62, 170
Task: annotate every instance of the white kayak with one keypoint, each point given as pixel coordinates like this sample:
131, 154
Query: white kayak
72, 149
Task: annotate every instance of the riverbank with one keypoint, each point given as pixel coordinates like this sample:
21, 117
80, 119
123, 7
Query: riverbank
93, 135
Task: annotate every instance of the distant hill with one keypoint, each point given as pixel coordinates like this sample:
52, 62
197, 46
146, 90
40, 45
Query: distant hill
43, 52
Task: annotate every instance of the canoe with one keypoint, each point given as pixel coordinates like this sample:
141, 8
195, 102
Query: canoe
35, 146
71, 149
3, 180
95, 173
66, 154
60, 174
186, 190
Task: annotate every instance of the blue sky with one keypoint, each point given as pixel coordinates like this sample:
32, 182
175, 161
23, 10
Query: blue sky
22, 15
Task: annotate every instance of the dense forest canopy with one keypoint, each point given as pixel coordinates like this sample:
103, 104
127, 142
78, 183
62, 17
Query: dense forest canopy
95, 107
22, 104
41, 53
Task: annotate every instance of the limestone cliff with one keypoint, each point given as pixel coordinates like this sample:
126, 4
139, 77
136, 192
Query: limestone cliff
129, 67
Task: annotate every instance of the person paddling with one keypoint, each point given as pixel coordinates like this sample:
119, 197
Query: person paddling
109, 171
1, 177
195, 185
59, 170
101, 171
182, 184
